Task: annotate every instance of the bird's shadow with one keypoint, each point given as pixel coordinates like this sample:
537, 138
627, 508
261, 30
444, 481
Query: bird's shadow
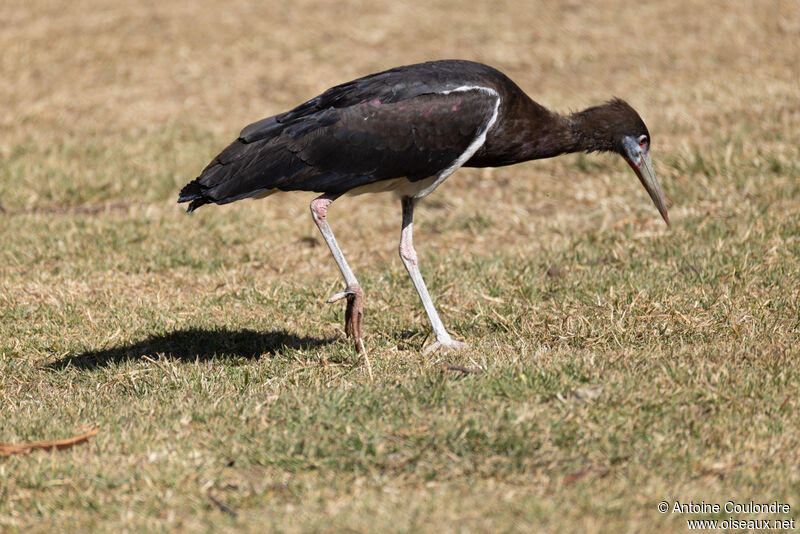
194, 344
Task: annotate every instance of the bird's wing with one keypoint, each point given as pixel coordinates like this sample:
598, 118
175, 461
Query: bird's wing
372, 141
338, 149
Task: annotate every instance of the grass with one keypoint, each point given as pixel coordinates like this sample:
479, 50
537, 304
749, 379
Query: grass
226, 395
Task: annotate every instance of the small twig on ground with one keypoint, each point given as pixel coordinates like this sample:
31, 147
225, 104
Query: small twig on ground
7, 449
224, 508
156, 362
461, 369
594, 470
366, 359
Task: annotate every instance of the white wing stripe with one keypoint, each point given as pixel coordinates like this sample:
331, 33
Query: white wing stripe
473, 147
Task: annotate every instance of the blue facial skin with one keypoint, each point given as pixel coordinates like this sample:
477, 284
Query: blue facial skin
637, 154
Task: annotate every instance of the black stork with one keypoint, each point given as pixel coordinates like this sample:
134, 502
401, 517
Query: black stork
406, 130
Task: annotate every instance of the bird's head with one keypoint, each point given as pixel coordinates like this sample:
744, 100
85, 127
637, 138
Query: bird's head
615, 126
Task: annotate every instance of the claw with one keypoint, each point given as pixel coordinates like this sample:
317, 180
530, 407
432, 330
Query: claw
353, 315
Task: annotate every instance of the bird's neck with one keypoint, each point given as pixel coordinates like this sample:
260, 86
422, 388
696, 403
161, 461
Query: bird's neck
531, 131
590, 129
565, 134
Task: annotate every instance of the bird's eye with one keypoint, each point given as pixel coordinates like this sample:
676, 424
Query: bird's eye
643, 142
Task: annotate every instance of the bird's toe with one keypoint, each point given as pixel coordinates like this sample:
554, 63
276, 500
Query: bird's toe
445, 345
339, 296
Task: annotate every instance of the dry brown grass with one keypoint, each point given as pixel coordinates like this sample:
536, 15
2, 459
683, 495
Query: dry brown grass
108, 108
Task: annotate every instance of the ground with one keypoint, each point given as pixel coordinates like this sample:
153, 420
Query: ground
614, 363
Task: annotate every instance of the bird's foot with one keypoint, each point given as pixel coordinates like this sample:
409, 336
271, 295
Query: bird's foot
354, 313
445, 345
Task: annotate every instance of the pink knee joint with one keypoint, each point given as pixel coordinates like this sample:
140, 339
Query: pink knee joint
408, 253
319, 208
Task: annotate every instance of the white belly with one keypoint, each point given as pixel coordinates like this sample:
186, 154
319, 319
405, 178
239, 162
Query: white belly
402, 187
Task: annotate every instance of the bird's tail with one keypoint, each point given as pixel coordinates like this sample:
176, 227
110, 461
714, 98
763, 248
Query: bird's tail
242, 170
192, 192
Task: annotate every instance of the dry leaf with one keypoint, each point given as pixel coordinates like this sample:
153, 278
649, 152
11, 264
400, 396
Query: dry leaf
585, 394
588, 393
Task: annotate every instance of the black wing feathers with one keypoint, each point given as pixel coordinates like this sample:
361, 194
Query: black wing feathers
260, 130
377, 128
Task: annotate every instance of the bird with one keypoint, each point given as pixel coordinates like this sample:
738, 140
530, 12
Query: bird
406, 130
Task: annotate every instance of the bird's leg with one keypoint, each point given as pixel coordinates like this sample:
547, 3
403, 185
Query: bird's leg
353, 293
409, 257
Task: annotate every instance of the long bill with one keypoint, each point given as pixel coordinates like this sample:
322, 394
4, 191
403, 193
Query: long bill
644, 170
